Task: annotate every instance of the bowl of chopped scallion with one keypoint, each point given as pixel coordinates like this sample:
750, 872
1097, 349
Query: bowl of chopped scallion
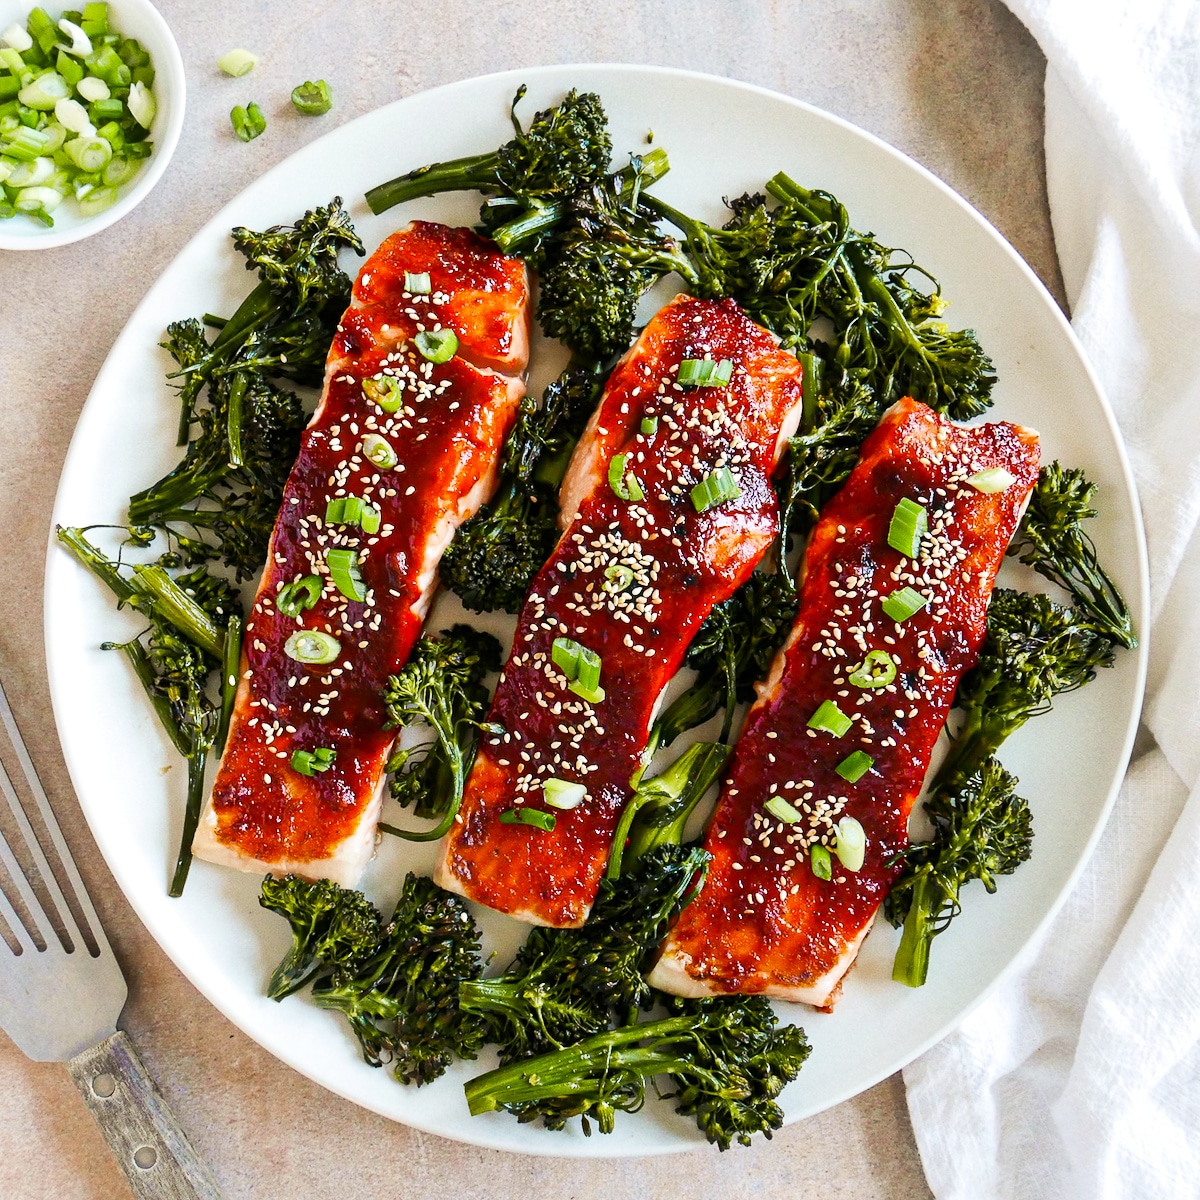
91, 106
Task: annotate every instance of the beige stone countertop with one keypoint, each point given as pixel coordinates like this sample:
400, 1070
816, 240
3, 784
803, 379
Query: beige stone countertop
957, 84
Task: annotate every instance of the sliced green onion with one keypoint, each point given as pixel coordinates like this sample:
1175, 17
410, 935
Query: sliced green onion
97, 200
344, 510
71, 69
715, 489
779, 808
830, 719
593, 695
92, 89
722, 374
121, 170
44, 91
821, 860
528, 816
379, 451
995, 479
908, 525
17, 37
617, 578
238, 63
437, 345
343, 570
25, 144
312, 646
88, 153
11, 59
71, 115
564, 654
878, 669
371, 519
95, 19
247, 122
38, 200
588, 671
623, 483
383, 390
143, 107
561, 794
854, 766
903, 604
81, 44
312, 98
851, 844
309, 762
703, 372
649, 426
295, 598
417, 283
31, 174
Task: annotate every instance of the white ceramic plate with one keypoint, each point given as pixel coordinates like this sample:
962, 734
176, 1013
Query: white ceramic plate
723, 138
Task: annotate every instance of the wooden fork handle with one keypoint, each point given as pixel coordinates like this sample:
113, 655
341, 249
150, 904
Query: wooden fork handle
140, 1129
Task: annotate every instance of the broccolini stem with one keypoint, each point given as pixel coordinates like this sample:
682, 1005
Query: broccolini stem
140, 661
565, 1072
442, 721
230, 670
104, 570
472, 173
191, 818
184, 484
174, 604
237, 396
911, 965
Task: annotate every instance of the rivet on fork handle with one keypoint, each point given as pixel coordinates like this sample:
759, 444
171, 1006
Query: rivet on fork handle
139, 1128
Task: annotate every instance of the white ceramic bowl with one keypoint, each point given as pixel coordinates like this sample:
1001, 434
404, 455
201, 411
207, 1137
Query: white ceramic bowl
136, 19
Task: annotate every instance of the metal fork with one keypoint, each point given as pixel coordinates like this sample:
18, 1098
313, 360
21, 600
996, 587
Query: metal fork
62, 991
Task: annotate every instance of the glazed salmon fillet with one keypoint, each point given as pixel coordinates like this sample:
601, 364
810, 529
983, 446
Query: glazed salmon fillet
764, 922
417, 442
642, 560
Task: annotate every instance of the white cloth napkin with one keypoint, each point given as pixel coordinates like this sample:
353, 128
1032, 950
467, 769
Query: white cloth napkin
1080, 1077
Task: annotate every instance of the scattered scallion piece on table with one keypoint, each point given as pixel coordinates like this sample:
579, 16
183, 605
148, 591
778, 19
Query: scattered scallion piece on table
312, 98
238, 63
248, 122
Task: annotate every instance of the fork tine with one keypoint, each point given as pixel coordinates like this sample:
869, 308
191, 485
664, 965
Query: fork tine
83, 901
20, 884
7, 913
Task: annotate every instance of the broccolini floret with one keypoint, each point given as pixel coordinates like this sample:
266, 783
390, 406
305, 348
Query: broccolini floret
725, 1060
495, 555
222, 499
441, 686
402, 1000
566, 984
982, 829
332, 928
1051, 539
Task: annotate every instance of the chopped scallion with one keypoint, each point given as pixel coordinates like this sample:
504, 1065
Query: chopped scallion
779, 808
851, 844
312, 98
312, 646
247, 122
830, 719
903, 604
310, 762
878, 669
617, 577
237, 63
383, 390
344, 572
294, 598
704, 372
908, 525
379, 451
437, 345
528, 816
715, 489
624, 483
593, 695
564, 654
417, 283
649, 426
562, 794
854, 766
995, 479
821, 860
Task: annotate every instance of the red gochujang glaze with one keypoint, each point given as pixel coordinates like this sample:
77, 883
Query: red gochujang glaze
763, 921
446, 433
680, 562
